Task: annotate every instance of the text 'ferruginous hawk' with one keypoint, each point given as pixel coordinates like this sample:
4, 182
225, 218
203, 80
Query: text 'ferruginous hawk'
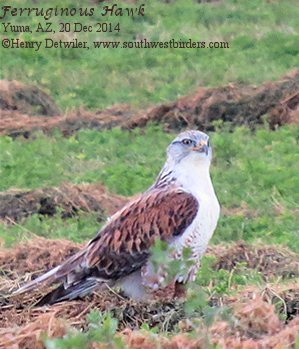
180, 208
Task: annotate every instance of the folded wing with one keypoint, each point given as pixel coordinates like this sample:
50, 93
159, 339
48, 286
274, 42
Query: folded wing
122, 246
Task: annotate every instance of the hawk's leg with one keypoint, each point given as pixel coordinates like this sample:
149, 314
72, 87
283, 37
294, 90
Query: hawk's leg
180, 290
190, 276
151, 278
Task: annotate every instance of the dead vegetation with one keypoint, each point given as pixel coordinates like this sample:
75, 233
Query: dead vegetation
67, 199
254, 321
17, 124
27, 99
270, 261
31, 258
286, 112
236, 104
255, 325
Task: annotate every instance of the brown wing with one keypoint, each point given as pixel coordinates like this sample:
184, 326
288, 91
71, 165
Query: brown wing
123, 245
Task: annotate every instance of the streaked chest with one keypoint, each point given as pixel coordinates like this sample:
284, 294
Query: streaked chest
193, 176
199, 233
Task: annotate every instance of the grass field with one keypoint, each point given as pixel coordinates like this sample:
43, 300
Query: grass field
263, 38
255, 174
256, 171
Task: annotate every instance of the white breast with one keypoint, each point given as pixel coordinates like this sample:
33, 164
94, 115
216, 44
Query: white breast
200, 232
194, 177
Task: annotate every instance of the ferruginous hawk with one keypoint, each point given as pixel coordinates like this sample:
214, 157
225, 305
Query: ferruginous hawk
180, 208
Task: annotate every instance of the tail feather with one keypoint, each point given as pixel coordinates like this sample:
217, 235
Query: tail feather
74, 277
69, 268
60, 294
47, 278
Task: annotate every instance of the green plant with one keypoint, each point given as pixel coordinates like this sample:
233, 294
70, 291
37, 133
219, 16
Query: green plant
161, 258
221, 282
101, 329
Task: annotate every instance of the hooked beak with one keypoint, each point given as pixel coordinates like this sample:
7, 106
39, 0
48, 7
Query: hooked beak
202, 147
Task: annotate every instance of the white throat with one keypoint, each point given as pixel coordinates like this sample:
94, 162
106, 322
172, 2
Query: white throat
193, 174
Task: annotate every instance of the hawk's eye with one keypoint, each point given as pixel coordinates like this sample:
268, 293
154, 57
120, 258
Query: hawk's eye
187, 141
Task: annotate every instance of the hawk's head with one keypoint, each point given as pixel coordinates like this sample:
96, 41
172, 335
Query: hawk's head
190, 144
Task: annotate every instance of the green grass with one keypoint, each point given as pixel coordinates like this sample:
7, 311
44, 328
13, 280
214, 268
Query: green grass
263, 38
78, 229
101, 329
254, 170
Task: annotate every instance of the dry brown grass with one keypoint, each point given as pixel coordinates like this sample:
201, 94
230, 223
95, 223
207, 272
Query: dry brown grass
254, 320
69, 199
14, 95
235, 103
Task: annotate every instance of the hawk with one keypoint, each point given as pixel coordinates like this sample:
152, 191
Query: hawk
180, 208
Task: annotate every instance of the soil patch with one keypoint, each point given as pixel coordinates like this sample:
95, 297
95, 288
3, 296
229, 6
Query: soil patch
254, 322
28, 260
270, 261
286, 112
235, 104
17, 124
27, 99
67, 199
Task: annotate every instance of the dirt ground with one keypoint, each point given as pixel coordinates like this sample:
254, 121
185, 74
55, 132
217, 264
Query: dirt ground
275, 102
270, 261
234, 103
17, 96
256, 322
68, 199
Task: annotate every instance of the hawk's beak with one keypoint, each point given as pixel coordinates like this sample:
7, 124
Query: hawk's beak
202, 147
